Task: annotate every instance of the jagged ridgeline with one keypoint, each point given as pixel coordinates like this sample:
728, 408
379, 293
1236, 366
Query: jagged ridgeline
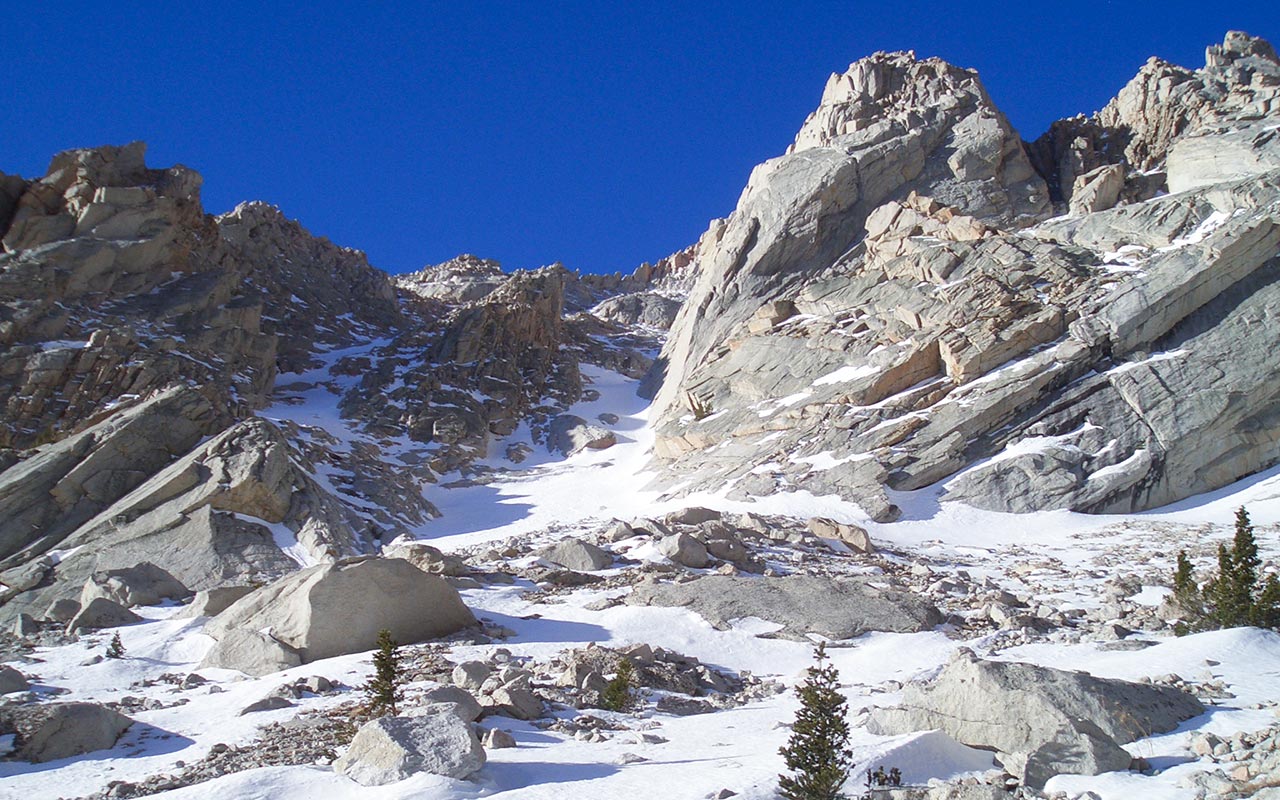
912, 295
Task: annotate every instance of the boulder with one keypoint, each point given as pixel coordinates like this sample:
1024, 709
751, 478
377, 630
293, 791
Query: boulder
252, 652
852, 535
471, 674
333, 609
468, 707
498, 739
838, 608
571, 434
728, 548
62, 610
211, 602
12, 681
515, 702
24, 577
684, 550
52, 731
1097, 190
575, 554
427, 558
141, 585
691, 515
101, 613
269, 703
1055, 720
25, 625
618, 531
391, 749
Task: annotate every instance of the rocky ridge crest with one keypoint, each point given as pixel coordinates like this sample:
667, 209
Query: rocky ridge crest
889, 308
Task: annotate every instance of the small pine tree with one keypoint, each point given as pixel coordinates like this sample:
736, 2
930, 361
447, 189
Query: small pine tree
1231, 593
1233, 597
1184, 580
818, 754
619, 693
1186, 596
1266, 610
116, 647
385, 690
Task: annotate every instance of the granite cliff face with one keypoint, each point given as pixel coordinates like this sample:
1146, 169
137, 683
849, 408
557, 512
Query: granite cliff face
891, 307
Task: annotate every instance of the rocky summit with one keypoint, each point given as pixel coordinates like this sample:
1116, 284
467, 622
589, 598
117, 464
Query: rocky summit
275, 522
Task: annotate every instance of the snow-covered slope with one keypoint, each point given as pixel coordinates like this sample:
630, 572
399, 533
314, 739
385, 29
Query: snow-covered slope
1061, 559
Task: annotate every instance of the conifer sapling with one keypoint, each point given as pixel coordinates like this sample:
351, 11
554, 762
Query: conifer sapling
818, 754
116, 648
385, 690
618, 694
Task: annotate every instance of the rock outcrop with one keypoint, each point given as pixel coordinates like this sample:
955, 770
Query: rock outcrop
837, 608
1166, 109
937, 332
1045, 721
332, 609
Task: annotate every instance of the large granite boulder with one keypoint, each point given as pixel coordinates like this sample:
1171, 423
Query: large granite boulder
391, 749
142, 585
252, 652
51, 731
1048, 721
576, 555
332, 609
571, 434
211, 602
838, 608
11, 680
101, 613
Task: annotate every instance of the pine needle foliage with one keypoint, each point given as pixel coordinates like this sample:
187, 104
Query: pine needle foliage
1234, 596
818, 754
115, 649
619, 693
386, 689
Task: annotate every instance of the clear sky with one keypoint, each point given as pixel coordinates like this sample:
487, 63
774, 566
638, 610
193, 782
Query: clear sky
594, 134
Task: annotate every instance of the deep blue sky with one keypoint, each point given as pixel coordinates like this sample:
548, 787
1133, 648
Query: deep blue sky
592, 134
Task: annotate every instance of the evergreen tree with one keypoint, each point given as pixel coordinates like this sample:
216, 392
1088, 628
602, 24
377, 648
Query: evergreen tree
1234, 597
1266, 611
1231, 593
618, 693
385, 690
818, 754
1184, 577
1187, 593
116, 648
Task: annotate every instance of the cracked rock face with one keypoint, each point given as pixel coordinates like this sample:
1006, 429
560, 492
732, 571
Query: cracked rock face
1112, 359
